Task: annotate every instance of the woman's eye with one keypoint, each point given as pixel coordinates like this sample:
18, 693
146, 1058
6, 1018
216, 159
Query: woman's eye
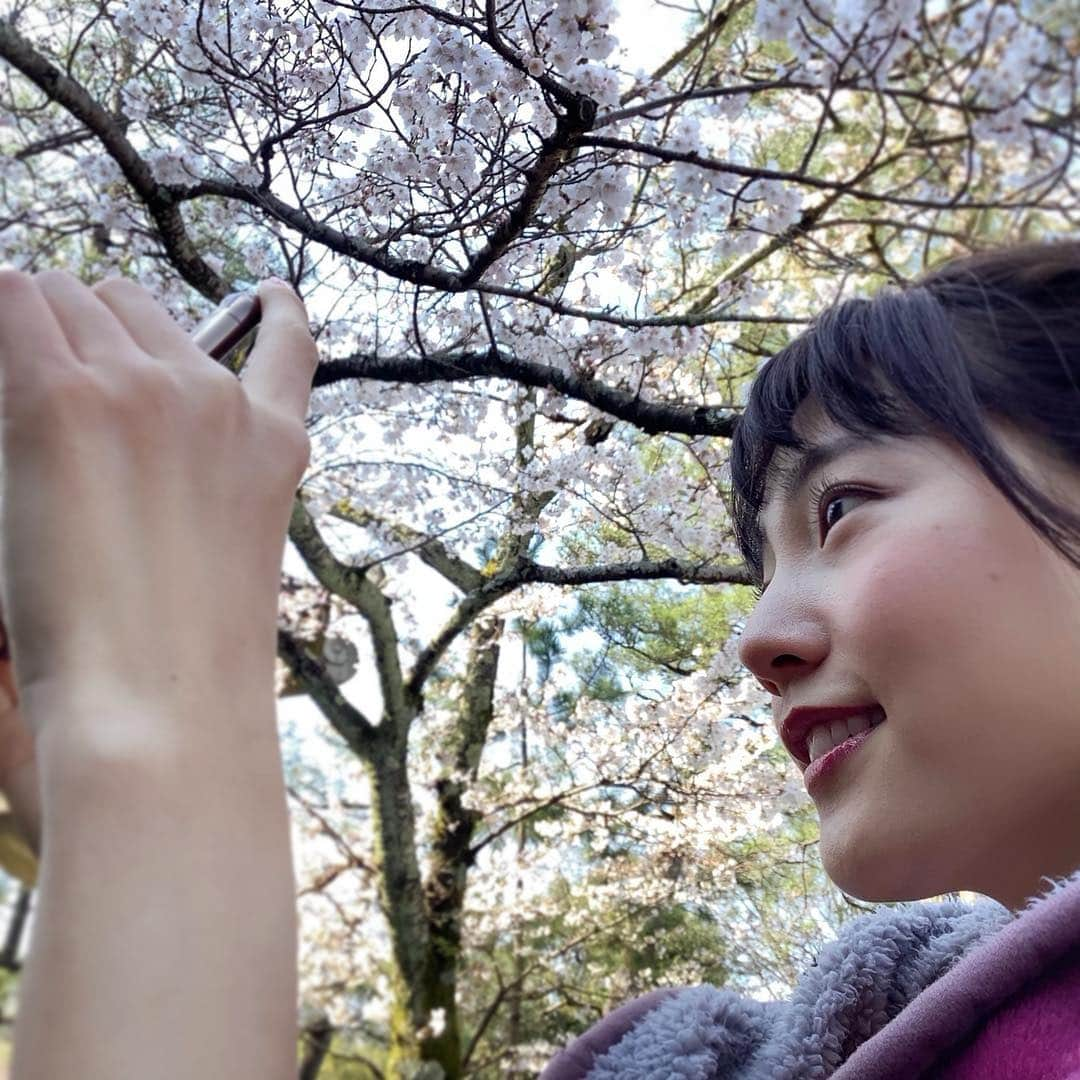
825, 502
823, 497
834, 500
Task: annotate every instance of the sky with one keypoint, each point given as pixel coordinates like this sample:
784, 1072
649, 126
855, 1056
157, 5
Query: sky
648, 33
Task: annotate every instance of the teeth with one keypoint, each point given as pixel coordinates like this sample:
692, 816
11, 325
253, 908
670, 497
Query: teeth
824, 737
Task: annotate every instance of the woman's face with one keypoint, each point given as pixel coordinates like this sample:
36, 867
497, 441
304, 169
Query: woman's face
933, 597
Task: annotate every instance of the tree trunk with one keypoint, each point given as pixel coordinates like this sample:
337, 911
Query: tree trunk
317, 1037
402, 896
425, 921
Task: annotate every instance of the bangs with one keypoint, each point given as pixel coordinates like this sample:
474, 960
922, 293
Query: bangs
890, 365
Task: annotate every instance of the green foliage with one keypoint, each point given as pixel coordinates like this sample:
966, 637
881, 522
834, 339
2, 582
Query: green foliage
637, 956
638, 949
656, 628
543, 640
353, 1059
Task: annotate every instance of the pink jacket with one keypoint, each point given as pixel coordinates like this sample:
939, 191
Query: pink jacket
924, 991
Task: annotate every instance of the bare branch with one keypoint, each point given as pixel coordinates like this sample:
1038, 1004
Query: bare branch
651, 417
160, 204
357, 731
54, 142
351, 585
760, 173
436, 555
529, 573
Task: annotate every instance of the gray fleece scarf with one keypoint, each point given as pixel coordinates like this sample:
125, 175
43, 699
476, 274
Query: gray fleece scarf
889, 999
858, 984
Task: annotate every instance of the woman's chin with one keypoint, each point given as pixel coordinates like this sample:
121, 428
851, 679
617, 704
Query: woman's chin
876, 876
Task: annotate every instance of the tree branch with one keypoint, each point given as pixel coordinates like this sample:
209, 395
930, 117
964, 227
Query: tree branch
651, 417
633, 322
709, 30
760, 173
432, 277
357, 731
435, 554
411, 270
555, 151
351, 585
507, 988
530, 573
53, 142
685, 573
160, 203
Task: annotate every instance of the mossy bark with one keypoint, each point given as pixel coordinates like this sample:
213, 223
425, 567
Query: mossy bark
424, 915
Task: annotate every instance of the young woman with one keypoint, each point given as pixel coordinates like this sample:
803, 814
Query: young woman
925, 573
906, 489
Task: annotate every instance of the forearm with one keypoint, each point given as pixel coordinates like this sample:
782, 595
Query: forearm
165, 937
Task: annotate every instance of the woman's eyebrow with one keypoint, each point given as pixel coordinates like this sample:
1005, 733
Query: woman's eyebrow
792, 476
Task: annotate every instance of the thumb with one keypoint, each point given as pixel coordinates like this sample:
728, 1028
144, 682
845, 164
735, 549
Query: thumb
282, 363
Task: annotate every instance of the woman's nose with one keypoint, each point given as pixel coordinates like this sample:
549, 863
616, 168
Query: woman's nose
779, 645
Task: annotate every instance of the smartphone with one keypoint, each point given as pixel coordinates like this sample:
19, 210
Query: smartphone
230, 328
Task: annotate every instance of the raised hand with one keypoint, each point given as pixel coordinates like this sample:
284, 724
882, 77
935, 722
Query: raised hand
146, 490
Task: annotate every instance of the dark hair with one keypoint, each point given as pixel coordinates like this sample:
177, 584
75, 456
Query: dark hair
992, 334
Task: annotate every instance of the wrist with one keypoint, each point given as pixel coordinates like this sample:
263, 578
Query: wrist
132, 717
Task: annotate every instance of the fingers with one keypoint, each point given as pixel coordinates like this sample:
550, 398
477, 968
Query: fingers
30, 335
148, 323
282, 364
93, 332
53, 318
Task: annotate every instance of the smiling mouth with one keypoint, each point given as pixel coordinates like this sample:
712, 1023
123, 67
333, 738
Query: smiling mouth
826, 736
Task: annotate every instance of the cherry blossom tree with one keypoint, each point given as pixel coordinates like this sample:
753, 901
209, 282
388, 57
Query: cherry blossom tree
541, 282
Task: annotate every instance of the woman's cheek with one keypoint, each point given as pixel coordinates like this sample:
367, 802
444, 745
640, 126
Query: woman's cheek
896, 597
915, 617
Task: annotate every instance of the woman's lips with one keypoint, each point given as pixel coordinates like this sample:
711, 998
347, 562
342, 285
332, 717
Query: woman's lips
824, 770
796, 725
